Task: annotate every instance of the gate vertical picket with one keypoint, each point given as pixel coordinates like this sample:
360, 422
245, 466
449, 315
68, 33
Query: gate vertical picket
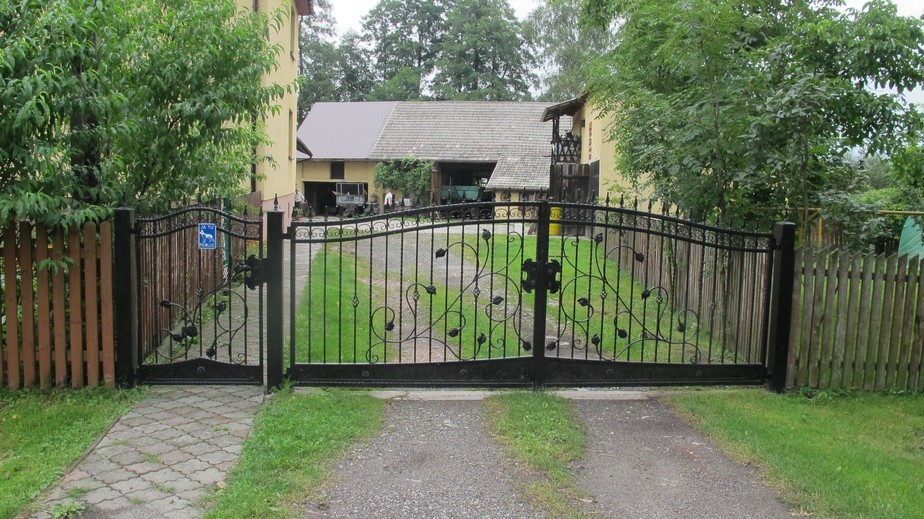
12, 319
92, 314
43, 293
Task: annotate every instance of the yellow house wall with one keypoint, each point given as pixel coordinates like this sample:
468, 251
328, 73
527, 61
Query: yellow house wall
596, 145
353, 171
277, 178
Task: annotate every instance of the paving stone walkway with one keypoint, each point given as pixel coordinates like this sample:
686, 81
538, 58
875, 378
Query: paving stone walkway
161, 458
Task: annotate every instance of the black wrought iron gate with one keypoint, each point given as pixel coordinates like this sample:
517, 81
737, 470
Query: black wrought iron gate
198, 296
532, 294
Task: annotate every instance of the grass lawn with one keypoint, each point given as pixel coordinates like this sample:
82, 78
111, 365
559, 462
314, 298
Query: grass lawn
296, 436
43, 432
838, 456
542, 431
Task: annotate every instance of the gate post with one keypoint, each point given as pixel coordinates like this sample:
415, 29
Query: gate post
125, 297
542, 294
784, 234
274, 297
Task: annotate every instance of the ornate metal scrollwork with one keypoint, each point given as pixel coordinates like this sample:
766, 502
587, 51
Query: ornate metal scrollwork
210, 306
630, 325
501, 307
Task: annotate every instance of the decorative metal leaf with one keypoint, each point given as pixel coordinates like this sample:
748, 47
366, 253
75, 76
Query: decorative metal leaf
165, 303
598, 238
681, 326
485, 234
177, 336
191, 331
389, 326
583, 301
454, 332
440, 253
622, 333
431, 290
647, 293
595, 340
639, 257
551, 345
481, 338
211, 352
497, 300
220, 306
527, 346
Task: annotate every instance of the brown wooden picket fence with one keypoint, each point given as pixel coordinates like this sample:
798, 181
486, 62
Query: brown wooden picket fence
858, 322
58, 322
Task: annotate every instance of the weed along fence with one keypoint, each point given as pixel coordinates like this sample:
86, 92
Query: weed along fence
857, 322
57, 306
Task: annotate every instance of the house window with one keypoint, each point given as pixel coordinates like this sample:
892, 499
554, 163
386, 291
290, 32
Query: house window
336, 170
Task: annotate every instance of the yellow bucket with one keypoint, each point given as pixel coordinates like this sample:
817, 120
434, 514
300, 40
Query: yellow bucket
554, 217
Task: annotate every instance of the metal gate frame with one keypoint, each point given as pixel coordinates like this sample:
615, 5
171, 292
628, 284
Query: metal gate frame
203, 326
539, 370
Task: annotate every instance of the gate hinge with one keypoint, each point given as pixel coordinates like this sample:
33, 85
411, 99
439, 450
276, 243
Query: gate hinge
552, 275
253, 270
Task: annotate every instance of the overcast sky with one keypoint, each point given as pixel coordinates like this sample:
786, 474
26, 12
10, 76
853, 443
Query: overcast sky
348, 12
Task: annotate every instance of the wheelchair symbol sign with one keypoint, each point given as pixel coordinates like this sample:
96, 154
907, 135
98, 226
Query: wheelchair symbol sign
207, 235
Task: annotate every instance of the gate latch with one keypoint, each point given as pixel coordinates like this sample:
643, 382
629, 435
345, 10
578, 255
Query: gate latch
253, 270
552, 275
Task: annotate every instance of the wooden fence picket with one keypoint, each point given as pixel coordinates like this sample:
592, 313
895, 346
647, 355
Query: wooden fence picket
74, 307
885, 323
853, 321
27, 300
12, 303
107, 329
92, 303
43, 300
840, 329
903, 358
59, 315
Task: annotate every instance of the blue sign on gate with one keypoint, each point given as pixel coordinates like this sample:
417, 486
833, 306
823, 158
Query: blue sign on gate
208, 235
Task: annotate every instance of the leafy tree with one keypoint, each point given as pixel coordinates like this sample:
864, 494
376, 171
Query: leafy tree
742, 108
404, 34
319, 63
482, 55
563, 47
403, 86
356, 79
118, 102
409, 175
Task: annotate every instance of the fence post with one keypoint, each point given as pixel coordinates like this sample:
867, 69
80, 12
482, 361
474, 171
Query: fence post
541, 292
781, 303
125, 297
274, 297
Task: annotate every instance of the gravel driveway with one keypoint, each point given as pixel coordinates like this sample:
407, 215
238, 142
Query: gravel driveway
434, 459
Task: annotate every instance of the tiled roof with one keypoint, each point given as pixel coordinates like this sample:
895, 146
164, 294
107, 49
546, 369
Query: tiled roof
343, 131
511, 134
